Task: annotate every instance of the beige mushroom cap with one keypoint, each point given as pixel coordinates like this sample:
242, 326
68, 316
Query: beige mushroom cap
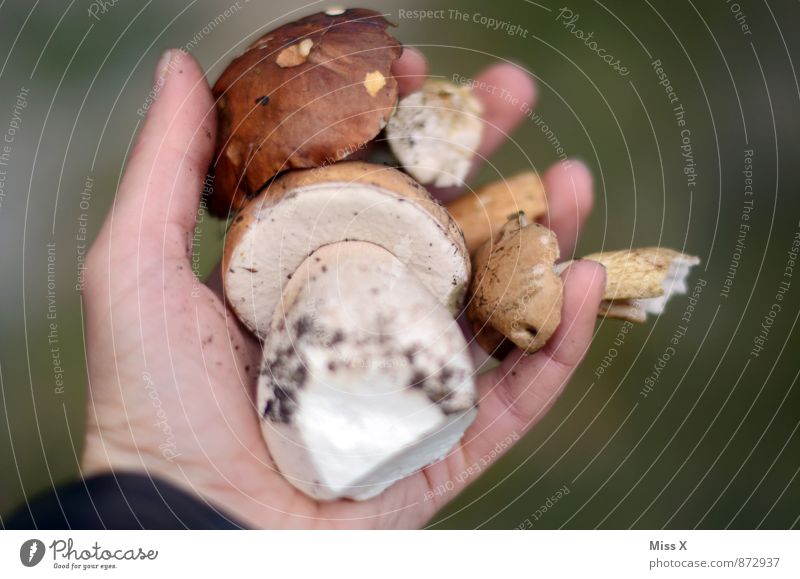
516, 293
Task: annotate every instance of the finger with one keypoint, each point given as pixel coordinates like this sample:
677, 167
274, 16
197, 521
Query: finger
570, 196
155, 209
507, 93
515, 396
523, 388
410, 70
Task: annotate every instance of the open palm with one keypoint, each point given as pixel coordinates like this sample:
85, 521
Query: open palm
172, 373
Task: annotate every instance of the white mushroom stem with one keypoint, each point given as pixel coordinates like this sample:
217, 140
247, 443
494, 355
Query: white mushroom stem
351, 275
365, 378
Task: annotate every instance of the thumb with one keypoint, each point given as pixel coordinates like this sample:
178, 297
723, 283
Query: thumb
154, 212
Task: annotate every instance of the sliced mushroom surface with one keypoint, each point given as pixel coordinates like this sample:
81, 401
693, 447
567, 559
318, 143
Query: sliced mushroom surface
305, 210
366, 377
641, 281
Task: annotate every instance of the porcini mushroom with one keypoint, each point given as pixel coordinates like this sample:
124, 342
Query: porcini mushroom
352, 201
435, 133
309, 93
351, 275
515, 293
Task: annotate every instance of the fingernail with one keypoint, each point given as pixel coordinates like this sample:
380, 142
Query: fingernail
162, 68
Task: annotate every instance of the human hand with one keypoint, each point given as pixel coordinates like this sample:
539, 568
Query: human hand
172, 373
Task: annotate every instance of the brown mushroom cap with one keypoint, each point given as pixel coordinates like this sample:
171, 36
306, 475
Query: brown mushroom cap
309, 93
515, 292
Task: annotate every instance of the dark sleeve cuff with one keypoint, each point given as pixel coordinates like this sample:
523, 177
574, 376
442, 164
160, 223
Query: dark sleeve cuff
119, 501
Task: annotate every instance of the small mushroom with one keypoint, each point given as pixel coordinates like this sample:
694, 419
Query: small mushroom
351, 274
482, 213
308, 93
515, 294
436, 132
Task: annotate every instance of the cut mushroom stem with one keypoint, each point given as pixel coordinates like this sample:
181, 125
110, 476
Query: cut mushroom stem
351, 275
353, 397
641, 281
481, 213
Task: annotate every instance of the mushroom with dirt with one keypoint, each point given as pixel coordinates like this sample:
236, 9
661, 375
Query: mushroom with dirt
435, 133
351, 274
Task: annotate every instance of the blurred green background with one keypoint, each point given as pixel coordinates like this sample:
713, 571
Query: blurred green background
714, 444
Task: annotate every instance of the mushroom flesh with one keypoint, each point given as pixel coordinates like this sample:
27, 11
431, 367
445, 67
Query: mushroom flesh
435, 133
351, 274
